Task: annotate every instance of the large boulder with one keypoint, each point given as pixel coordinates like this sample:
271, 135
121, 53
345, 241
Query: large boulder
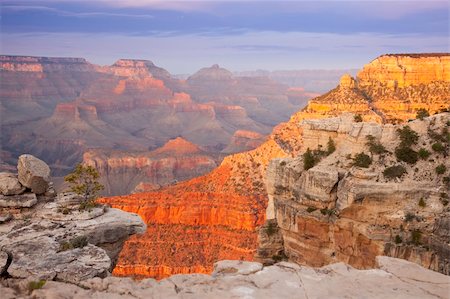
9, 184
33, 173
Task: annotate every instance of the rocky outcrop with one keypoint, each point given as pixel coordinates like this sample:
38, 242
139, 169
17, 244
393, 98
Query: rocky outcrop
33, 173
336, 211
402, 70
53, 238
178, 160
400, 84
393, 278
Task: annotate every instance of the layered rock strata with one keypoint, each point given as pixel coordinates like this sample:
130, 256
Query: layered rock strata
336, 211
59, 108
243, 175
121, 172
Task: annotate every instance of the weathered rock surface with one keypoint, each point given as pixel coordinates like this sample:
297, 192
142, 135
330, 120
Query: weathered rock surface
338, 212
33, 173
48, 237
25, 200
10, 185
241, 180
236, 279
56, 241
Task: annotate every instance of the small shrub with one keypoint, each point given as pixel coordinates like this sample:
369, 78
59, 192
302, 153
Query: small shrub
362, 160
396, 171
35, 285
409, 217
64, 210
271, 229
279, 257
375, 147
87, 205
406, 154
422, 113
444, 201
422, 203
84, 182
331, 146
423, 153
310, 209
64, 246
398, 239
282, 163
440, 169
446, 181
357, 118
77, 242
326, 211
407, 136
308, 160
416, 236
438, 147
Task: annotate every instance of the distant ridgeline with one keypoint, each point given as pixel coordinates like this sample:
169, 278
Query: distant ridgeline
60, 108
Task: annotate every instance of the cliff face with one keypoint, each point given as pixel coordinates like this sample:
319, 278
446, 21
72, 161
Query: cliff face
194, 223
398, 85
240, 180
336, 211
177, 160
73, 106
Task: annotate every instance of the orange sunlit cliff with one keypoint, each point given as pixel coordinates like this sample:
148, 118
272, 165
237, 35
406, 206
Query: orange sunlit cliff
213, 217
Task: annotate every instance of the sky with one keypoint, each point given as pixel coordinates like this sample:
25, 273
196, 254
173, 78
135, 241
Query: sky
184, 36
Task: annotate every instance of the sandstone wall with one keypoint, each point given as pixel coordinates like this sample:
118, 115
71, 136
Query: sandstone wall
339, 212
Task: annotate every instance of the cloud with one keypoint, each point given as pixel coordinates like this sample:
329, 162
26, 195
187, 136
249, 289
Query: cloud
20, 8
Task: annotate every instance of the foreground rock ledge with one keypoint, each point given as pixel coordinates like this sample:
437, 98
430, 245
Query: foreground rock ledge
394, 278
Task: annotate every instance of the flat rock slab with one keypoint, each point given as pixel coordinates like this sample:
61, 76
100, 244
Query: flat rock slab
251, 280
26, 200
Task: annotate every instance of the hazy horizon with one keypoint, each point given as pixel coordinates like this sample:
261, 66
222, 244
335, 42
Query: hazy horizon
184, 36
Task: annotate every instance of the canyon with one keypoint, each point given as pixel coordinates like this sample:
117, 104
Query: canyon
232, 199
60, 109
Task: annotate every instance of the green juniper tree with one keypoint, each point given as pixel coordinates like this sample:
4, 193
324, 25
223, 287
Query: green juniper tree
84, 182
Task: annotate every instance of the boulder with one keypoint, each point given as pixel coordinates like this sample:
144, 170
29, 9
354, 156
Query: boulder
33, 173
10, 185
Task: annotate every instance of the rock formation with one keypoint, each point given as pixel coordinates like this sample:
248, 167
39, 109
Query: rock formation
240, 180
120, 171
336, 211
44, 236
393, 278
59, 108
